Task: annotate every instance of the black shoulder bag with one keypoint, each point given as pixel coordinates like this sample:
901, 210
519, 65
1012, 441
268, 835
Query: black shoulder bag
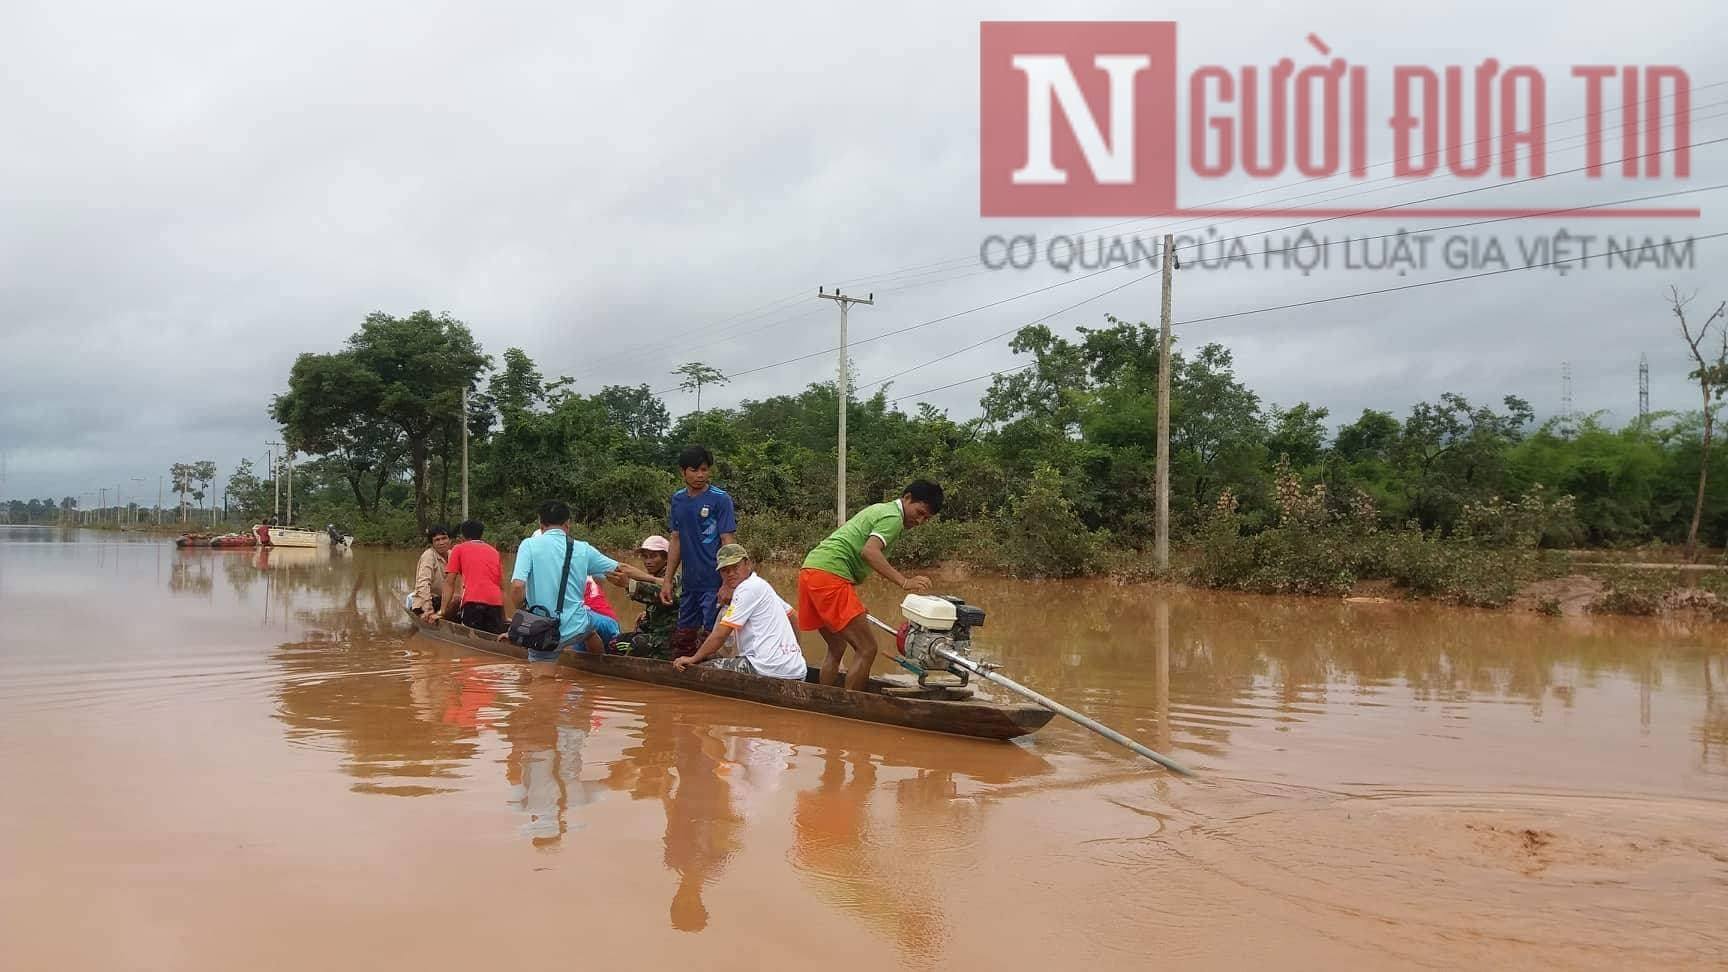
533, 628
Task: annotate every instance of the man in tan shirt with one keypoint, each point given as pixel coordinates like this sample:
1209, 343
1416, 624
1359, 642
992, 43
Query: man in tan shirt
429, 573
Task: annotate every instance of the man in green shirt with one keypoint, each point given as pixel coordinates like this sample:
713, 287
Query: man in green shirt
828, 601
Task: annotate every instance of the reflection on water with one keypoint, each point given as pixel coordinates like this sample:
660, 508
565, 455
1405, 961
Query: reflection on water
1369, 773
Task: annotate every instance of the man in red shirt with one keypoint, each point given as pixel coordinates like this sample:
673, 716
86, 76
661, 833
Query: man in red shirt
476, 563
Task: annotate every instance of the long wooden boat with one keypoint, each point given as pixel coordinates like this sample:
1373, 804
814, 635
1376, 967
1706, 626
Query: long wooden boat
888, 700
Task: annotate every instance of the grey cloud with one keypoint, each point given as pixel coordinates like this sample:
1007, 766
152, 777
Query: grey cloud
204, 191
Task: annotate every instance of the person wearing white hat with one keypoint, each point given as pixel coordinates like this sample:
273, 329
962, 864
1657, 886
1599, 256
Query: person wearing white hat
653, 635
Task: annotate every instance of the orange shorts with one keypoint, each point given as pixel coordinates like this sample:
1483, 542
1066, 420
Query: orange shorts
826, 601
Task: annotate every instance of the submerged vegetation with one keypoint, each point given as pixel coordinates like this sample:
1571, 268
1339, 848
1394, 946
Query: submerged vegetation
1055, 477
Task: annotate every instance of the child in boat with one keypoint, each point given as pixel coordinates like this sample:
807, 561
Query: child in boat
759, 620
653, 635
827, 585
605, 618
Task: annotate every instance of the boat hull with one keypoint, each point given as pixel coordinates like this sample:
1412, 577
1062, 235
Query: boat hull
959, 716
284, 537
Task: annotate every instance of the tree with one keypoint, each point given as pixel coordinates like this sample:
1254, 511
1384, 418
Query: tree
1712, 379
1452, 452
1370, 437
181, 476
397, 383
204, 471
642, 417
519, 388
328, 411
696, 374
249, 494
1298, 432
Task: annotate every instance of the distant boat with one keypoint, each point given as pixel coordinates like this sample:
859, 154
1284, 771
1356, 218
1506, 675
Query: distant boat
275, 536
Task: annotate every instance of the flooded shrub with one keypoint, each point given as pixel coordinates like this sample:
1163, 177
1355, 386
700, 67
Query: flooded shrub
1537, 518
618, 535
1303, 554
1634, 592
1043, 536
779, 537
390, 528
969, 541
1222, 555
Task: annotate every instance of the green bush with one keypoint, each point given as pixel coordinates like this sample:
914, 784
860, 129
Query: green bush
780, 538
1635, 592
1044, 536
972, 542
394, 528
1313, 551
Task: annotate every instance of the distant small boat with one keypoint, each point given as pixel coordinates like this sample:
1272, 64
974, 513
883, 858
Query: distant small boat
275, 536
234, 540
206, 540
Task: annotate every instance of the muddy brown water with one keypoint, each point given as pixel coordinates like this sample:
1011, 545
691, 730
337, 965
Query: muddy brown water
220, 760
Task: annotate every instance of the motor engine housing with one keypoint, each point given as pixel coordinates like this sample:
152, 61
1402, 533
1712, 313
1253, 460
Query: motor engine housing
933, 622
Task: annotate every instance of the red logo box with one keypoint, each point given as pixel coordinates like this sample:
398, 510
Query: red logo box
1058, 101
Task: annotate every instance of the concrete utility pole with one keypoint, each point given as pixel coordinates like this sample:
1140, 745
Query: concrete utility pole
464, 452
290, 521
159, 480
842, 395
275, 482
1163, 522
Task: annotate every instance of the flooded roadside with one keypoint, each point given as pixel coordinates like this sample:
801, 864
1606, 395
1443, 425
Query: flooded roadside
221, 758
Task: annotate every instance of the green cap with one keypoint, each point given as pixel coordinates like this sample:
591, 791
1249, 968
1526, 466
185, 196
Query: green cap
730, 554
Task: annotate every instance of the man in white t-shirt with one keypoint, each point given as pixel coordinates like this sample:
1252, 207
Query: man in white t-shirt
758, 618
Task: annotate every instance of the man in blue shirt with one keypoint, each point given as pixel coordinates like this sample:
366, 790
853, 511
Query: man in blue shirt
539, 565
702, 521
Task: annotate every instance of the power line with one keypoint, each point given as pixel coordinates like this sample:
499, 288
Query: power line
887, 288
772, 307
1072, 280
1321, 300
1310, 181
1428, 283
1318, 245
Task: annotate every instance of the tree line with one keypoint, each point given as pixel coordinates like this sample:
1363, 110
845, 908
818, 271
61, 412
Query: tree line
1069, 437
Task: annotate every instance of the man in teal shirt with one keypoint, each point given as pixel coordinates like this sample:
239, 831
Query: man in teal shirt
540, 564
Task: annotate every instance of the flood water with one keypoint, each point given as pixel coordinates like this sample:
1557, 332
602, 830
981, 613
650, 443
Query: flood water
222, 760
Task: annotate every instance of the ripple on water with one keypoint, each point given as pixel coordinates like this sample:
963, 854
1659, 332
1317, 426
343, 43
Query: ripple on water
1612, 879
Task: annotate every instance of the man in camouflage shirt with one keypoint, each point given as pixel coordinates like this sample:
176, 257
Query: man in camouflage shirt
653, 635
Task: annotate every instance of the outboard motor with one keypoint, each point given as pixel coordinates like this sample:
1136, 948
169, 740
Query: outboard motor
937, 622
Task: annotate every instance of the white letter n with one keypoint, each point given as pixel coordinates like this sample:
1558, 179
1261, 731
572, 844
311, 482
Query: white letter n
1048, 78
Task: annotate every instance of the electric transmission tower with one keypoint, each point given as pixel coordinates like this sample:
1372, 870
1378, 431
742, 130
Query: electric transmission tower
1566, 414
1643, 387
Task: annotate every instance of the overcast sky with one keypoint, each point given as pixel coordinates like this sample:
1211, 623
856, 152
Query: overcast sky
194, 193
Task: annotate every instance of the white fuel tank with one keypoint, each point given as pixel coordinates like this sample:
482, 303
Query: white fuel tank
929, 613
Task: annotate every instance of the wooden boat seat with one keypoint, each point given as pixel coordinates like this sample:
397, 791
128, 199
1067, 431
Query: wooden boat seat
907, 687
